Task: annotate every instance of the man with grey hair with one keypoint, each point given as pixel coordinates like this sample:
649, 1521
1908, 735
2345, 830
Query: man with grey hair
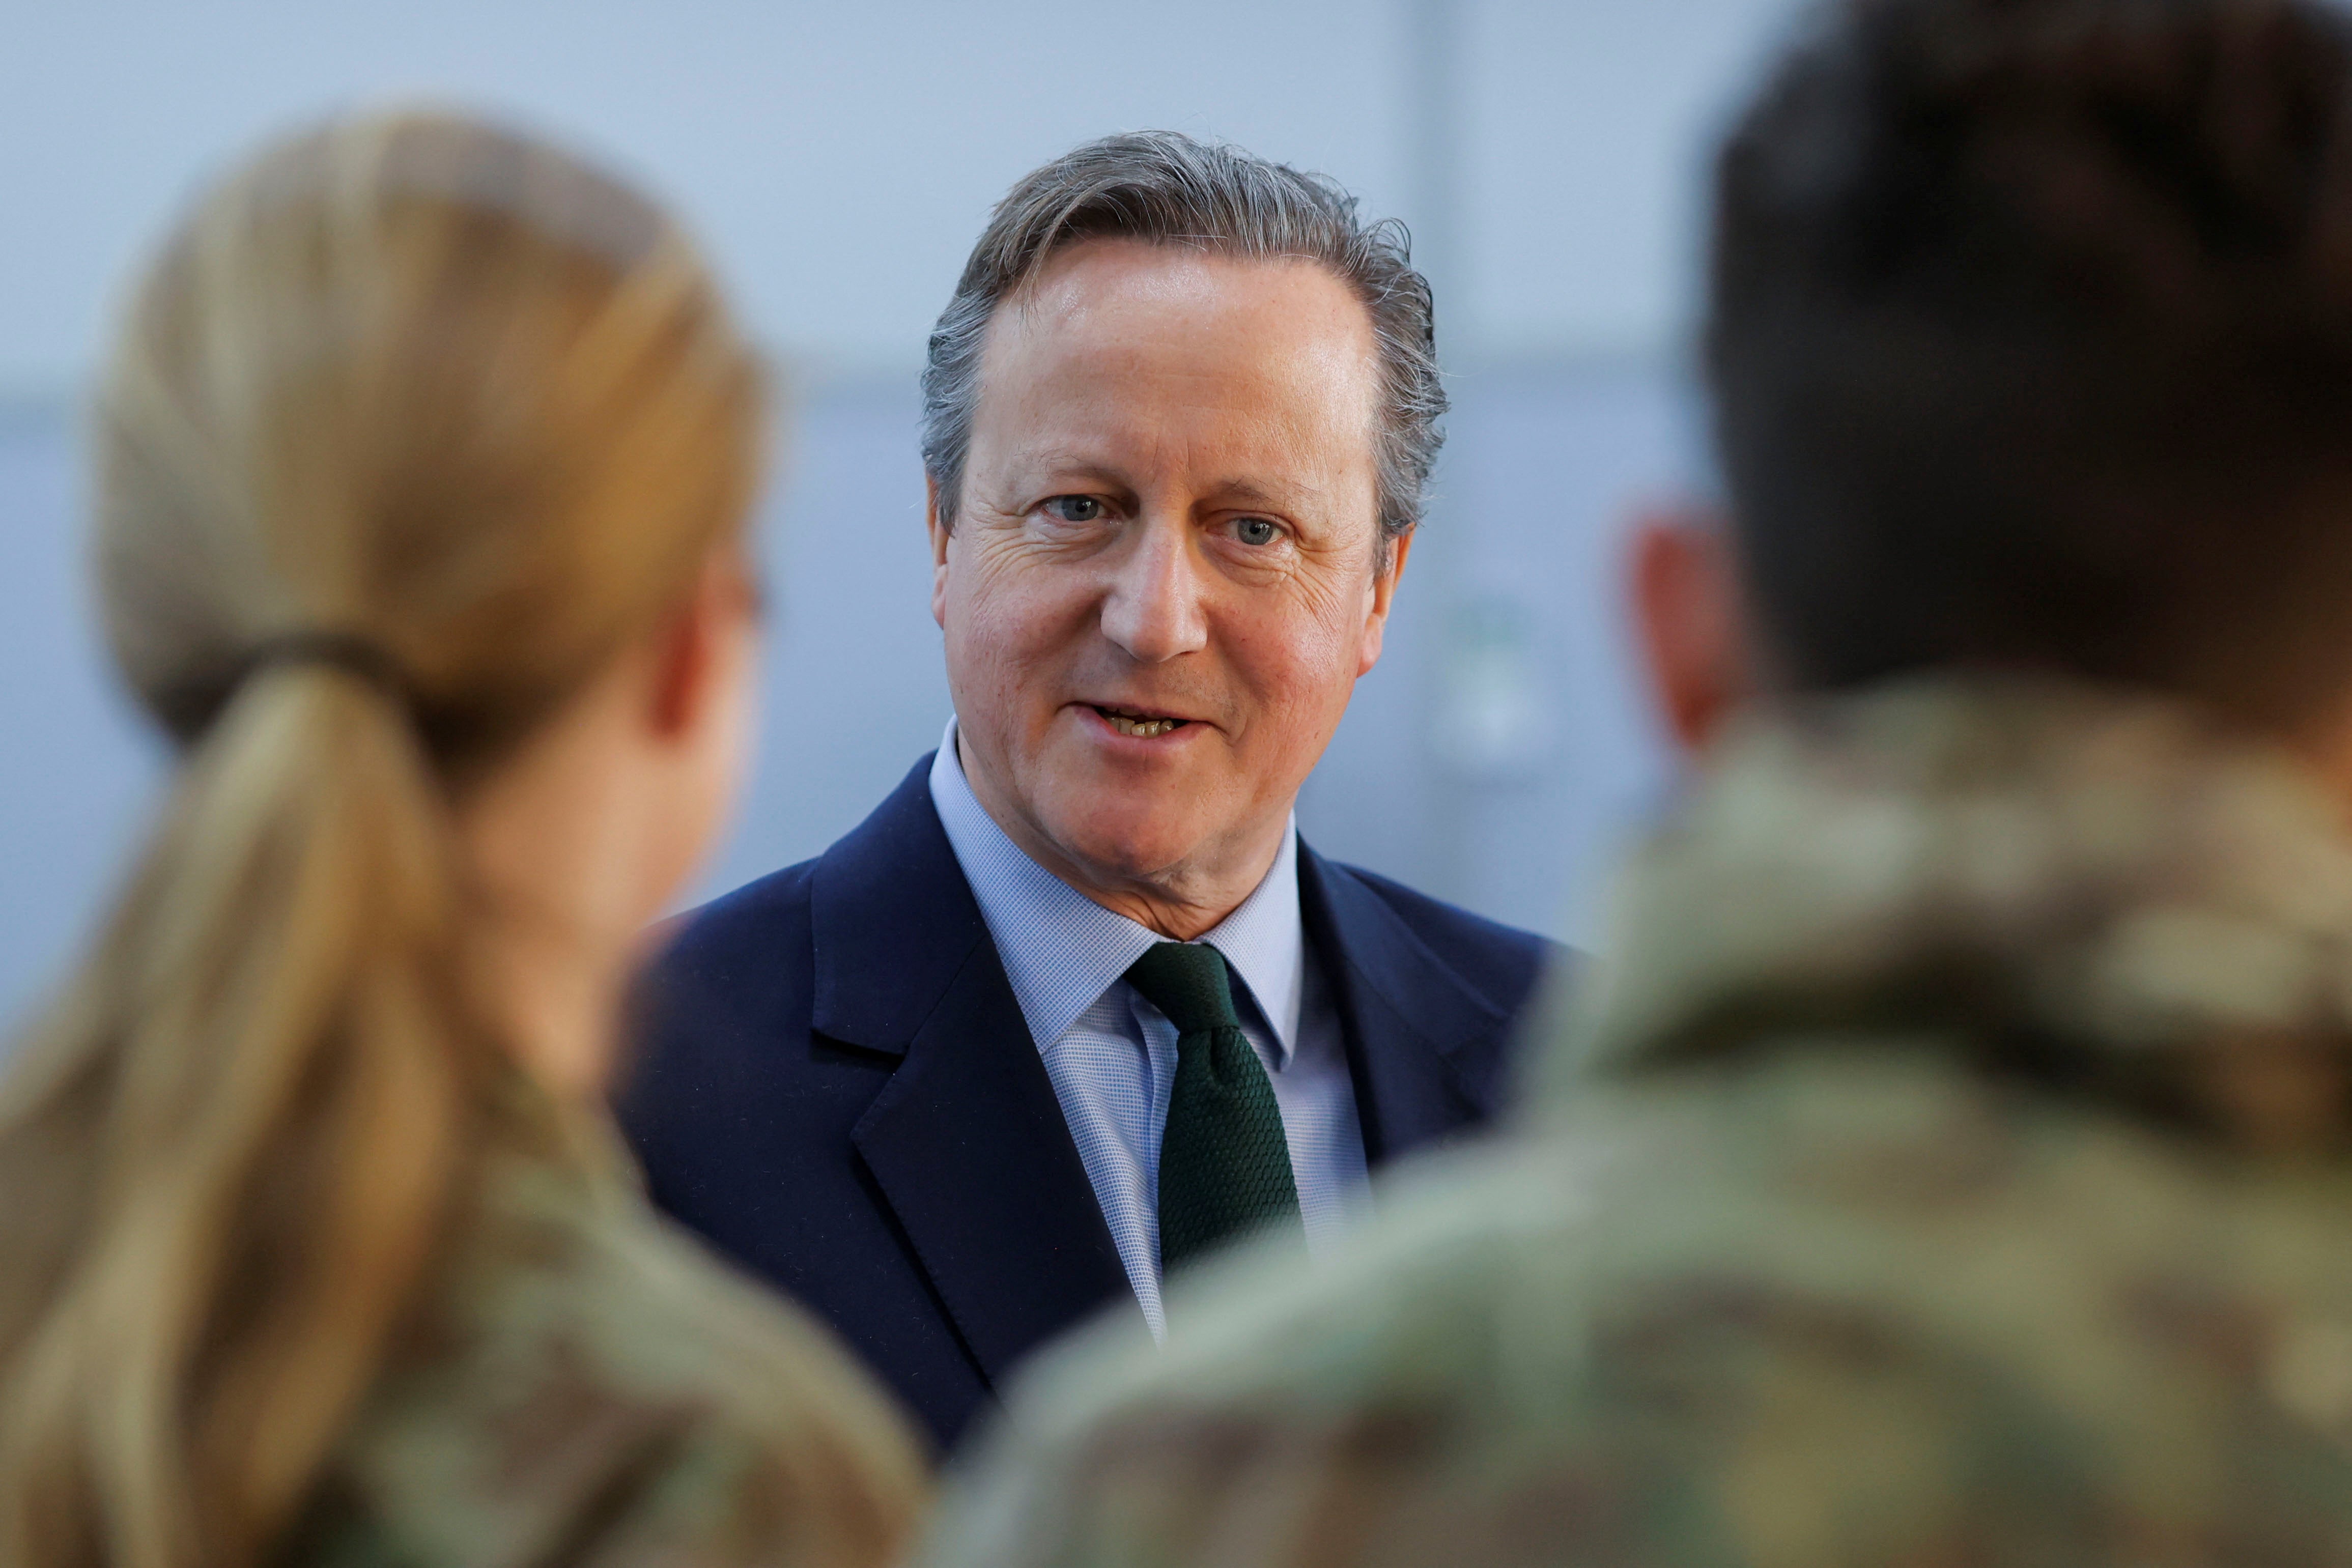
1074, 1006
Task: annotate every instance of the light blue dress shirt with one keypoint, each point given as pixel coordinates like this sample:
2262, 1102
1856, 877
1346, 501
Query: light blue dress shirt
1112, 1055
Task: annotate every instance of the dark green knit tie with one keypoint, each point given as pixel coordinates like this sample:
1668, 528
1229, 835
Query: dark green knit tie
1224, 1165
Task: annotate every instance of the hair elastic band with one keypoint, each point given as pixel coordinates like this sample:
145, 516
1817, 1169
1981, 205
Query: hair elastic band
346, 651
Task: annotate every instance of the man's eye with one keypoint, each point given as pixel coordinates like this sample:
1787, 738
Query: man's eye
1075, 508
1257, 531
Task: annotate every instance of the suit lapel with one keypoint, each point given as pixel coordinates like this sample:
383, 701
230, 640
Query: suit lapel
972, 1149
966, 1140
1425, 1050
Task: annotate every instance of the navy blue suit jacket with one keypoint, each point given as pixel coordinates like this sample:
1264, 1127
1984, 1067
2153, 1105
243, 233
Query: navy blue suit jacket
834, 1086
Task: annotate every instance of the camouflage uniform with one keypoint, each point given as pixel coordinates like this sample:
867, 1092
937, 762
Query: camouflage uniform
589, 1388
1945, 1165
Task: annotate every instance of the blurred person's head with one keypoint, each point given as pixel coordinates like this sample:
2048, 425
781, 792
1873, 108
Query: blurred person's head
1178, 418
2030, 345
422, 465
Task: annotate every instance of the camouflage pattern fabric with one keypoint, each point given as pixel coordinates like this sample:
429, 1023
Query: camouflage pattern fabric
1945, 1165
591, 1387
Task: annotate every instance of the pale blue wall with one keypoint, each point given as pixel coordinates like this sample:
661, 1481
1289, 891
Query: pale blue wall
841, 157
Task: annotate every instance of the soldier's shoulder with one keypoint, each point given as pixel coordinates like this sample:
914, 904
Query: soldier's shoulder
592, 1385
1793, 1314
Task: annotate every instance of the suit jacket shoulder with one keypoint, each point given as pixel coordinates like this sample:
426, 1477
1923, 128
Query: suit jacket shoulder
732, 945
1499, 962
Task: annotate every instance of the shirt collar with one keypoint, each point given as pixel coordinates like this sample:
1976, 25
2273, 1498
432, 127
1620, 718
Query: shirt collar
1062, 950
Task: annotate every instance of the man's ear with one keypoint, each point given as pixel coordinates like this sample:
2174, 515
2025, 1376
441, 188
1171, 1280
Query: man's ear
1383, 599
1685, 585
939, 532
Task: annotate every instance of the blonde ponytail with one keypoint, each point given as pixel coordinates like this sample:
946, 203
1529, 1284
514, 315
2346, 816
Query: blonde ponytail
282, 1087
397, 384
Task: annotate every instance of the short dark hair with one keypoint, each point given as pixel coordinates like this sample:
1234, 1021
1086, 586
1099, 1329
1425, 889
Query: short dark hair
1162, 187
2030, 341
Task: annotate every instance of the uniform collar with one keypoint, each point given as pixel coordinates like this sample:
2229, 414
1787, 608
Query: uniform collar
2107, 887
1062, 950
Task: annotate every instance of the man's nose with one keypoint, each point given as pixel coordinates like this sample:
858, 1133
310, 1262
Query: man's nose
1154, 608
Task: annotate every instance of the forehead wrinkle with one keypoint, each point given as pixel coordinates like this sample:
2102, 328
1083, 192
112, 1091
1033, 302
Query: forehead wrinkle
1293, 428
1325, 356
1060, 459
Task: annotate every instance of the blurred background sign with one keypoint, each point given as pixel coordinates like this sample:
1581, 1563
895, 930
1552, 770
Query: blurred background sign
838, 161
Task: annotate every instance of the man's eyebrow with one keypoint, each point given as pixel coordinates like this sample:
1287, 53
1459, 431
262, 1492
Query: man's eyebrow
1250, 493
1073, 464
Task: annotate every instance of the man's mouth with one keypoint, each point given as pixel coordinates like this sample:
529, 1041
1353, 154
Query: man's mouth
1136, 722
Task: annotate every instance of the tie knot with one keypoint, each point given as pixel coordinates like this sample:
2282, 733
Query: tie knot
1187, 981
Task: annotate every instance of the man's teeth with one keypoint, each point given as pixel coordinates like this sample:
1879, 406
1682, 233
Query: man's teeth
1144, 727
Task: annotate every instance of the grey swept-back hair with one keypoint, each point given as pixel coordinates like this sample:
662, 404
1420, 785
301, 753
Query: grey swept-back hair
1162, 187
